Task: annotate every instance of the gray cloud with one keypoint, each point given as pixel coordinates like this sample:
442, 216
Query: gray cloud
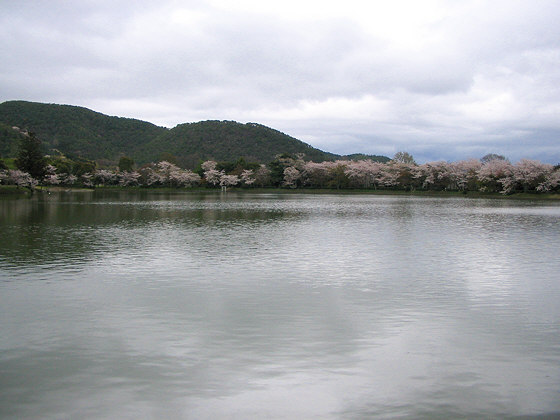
442, 80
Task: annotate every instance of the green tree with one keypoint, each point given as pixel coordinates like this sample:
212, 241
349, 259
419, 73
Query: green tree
126, 164
62, 164
339, 177
30, 158
168, 157
277, 167
492, 156
404, 157
82, 165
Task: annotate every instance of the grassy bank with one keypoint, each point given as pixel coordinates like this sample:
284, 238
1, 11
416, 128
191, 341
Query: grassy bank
41, 188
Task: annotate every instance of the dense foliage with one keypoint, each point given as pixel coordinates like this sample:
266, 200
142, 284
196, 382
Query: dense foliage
287, 171
79, 132
9, 140
192, 143
85, 147
362, 156
30, 157
76, 131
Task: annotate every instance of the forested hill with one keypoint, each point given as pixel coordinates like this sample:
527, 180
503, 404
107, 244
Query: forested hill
227, 140
75, 131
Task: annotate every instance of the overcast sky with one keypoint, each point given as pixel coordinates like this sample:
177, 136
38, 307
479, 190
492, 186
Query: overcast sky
444, 80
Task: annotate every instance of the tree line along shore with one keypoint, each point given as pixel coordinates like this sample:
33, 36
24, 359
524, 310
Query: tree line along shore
490, 174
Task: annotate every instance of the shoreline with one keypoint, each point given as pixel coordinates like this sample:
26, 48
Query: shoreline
14, 190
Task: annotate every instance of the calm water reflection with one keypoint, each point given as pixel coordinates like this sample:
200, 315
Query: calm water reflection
145, 305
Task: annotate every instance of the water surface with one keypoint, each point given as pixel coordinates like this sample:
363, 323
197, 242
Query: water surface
238, 305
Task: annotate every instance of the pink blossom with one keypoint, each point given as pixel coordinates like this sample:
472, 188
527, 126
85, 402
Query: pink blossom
262, 175
183, 178
291, 175
20, 178
365, 173
208, 165
247, 177
551, 181
213, 176
127, 178
316, 173
87, 179
531, 173
104, 177
464, 174
229, 180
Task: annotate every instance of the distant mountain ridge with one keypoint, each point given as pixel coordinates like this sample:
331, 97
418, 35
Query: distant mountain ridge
77, 131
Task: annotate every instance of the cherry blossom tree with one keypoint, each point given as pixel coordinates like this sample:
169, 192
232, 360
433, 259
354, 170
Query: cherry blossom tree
529, 174
389, 176
129, 178
291, 176
315, 174
491, 174
280, 163
153, 177
494, 173
405, 174
247, 177
161, 174
167, 171
208, 165
551, 182
262, 175
364, 173
228, 181
104, 177
464, 174
87, 179
69, 180
51, 177
211, 174
437, 175
184, 178
19, 178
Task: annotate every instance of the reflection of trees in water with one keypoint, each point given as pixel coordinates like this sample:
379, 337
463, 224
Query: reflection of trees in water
80, 226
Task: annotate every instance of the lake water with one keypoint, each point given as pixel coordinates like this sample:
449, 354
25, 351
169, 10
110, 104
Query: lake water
236, 305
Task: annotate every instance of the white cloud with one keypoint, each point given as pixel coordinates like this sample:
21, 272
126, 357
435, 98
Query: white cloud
442, 79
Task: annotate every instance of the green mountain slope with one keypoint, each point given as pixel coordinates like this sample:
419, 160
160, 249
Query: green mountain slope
229, 140
9, 139
76, 131
361, 156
